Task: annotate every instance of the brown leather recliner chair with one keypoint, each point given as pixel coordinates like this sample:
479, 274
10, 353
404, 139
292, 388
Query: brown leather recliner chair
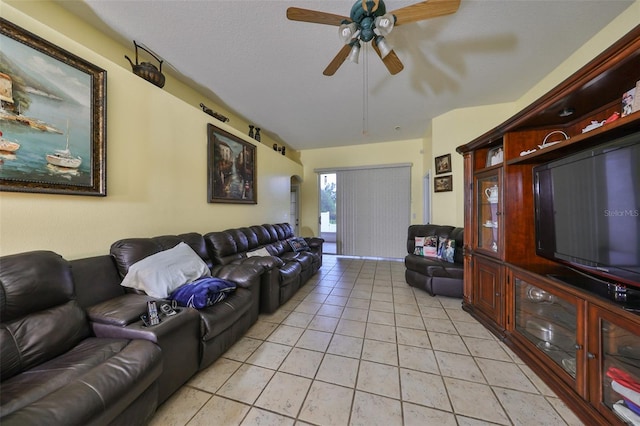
434, 275
53, 371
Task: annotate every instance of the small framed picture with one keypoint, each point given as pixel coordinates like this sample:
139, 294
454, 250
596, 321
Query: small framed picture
628, 101
636, 98
443, 164
443, 184
494, 156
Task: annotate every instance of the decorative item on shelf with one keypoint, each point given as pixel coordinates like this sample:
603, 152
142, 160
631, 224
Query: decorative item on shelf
628, 101
546, 144
213, 113
251, 131
494, 156
538, 295
613, 117
493, 197
492, 194
282, 149
147, 70
593, 125
636, 98
256, 136
566, 112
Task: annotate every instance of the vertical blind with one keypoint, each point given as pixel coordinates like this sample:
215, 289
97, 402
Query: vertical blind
373, 210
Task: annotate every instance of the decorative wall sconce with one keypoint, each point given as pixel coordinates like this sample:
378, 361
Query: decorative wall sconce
282, 149
213, 113
147, 70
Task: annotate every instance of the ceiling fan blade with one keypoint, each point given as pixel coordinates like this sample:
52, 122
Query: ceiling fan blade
425, 10
337, 61
391, 61
307, 15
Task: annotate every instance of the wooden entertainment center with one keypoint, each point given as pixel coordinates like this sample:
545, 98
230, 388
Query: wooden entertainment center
570, 334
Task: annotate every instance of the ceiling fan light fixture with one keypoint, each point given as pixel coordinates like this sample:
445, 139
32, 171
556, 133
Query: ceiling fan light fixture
347, 32
354, 53
385, 23
385, 48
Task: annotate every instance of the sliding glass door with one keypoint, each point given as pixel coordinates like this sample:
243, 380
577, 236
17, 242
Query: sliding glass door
372, 210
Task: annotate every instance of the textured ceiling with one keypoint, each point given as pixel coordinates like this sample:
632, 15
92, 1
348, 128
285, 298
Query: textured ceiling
246, 55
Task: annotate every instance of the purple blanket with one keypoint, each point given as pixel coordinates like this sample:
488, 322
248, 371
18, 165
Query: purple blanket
203, 292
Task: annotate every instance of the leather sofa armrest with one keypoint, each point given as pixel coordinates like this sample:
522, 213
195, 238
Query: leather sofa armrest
245, 275
314, 242
119, 311
267, 263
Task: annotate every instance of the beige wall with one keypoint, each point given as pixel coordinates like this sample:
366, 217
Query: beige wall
451, 130
156, 144
408, 151
156, 173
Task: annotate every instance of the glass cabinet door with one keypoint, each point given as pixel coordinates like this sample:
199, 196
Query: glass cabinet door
489, 223
616, 390
549, 322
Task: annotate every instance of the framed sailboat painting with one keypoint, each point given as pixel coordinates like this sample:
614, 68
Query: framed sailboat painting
52, 117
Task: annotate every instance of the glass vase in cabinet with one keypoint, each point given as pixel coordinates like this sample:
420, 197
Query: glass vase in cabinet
489, 212
548, 320
614, 365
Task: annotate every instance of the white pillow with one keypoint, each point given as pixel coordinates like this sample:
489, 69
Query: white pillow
161, 273
260, 252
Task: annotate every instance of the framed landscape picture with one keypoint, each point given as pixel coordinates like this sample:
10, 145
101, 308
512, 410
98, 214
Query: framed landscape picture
231, 168
52, 117
443, 184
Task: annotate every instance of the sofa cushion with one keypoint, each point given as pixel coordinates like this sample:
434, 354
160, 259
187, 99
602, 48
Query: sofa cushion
128, 251
430, 246
219, 317
161, 273
259, 252
41, 336
46, 282
447, 249
298, 244
82, 384
40, 318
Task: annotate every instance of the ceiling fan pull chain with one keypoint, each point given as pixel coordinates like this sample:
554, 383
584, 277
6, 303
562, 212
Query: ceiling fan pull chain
365, 92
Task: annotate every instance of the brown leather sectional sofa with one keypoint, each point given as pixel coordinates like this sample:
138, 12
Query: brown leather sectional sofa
73, 349
285, 272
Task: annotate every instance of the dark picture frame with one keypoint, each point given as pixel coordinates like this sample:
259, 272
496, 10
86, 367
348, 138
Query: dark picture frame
53, 117
443, 183
231, 168
443, 164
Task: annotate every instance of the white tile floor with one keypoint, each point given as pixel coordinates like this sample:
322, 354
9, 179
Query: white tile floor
358, 346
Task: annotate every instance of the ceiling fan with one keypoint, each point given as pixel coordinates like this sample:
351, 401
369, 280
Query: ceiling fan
369, 21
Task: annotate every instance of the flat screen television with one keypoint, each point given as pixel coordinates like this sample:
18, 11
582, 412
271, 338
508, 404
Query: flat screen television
587, 210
